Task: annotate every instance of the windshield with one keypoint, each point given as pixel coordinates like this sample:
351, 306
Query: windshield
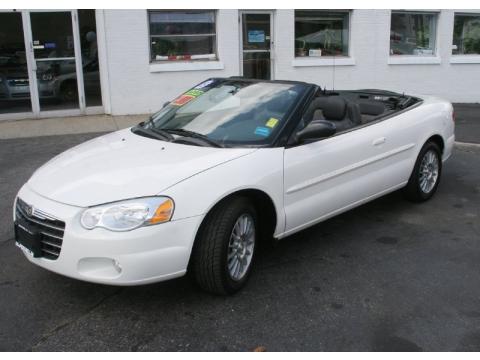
230, 112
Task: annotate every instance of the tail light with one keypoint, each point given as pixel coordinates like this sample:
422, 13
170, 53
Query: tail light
454, 117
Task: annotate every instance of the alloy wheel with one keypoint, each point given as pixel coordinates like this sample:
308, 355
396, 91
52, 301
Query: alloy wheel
241, 247
429, 169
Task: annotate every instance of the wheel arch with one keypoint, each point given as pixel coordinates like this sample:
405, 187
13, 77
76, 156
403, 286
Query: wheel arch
263, 203
437, 139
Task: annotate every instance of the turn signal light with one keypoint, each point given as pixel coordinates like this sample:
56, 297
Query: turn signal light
163, 213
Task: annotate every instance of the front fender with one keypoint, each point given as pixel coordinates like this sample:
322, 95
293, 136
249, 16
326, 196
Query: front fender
261, 170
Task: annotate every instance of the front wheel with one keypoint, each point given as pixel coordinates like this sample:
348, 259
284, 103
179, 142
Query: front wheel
224, 250
425, 176
68, 92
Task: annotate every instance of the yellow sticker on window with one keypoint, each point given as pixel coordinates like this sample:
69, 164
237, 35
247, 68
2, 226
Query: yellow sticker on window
272, 122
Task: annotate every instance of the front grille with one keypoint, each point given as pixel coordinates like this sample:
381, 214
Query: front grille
51, 229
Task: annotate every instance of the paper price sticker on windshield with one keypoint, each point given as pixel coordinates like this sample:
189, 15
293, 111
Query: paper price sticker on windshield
182, 100
262, 131
194, 92
272, 122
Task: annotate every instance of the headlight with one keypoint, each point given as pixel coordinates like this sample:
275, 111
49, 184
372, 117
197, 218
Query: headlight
47, 77
129, 214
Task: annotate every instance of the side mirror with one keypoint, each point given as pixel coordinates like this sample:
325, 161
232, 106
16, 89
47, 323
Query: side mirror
317, 130
165, 104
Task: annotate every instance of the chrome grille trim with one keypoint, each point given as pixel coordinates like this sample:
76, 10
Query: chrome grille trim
52, 235
21, 206
42, 223
51, 244
50, 228
50, 252
43, 215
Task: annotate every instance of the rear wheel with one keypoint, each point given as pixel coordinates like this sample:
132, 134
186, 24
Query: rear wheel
224, 251
425, 177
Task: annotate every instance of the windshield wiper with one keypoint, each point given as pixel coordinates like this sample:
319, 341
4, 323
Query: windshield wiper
193, 134
163, 133
152, 133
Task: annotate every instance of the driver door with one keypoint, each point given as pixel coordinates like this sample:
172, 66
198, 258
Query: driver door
328, 176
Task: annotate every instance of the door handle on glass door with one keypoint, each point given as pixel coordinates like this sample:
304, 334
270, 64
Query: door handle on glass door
379, 141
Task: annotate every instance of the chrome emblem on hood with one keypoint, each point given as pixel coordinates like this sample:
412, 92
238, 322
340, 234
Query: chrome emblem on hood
29, 210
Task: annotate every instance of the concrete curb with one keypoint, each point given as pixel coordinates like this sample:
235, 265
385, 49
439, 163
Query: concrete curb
465, 144
67, 125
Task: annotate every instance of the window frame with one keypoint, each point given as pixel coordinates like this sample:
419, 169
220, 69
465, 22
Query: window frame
422, 58
463, 13
180, 61
298, 59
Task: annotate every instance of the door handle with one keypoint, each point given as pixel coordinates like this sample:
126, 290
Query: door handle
379, 141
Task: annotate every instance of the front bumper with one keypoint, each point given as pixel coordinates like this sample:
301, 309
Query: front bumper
447, 152
141, 256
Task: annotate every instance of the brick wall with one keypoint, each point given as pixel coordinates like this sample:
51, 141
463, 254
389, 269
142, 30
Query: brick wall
137, 87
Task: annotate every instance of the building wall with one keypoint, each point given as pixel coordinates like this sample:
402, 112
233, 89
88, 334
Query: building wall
135, 86
369, 48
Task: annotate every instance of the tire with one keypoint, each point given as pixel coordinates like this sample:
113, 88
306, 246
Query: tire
216, 247
68, 92
417, 189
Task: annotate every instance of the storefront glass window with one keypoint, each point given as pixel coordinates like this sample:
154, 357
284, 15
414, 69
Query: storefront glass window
182, 35
466, 34
412, 33
14, 81
321, 33
88, 43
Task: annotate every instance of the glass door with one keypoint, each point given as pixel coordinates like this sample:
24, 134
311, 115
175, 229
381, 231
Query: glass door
256, 51
14, 81
54, 61
90, 65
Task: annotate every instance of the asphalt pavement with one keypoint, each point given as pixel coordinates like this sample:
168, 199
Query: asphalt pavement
467, 122
389, 275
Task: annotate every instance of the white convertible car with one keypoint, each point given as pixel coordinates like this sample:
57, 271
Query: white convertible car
228, 164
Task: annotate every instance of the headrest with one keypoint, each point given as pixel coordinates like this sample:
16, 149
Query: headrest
335, 108
316, 104
371, 107
354, 113
319, 103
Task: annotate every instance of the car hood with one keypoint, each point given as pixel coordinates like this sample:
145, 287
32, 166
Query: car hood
123, 165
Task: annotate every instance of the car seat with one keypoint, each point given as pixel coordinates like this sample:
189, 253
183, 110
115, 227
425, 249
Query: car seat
370, 110
345, 115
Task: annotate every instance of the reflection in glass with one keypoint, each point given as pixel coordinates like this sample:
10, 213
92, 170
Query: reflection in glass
412, 33
52, 34
88, 43
256, 65
256, 46
54, 53
14, 83
182, 35
57, 84
321, 33
466, 34
256, 31
232, 112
